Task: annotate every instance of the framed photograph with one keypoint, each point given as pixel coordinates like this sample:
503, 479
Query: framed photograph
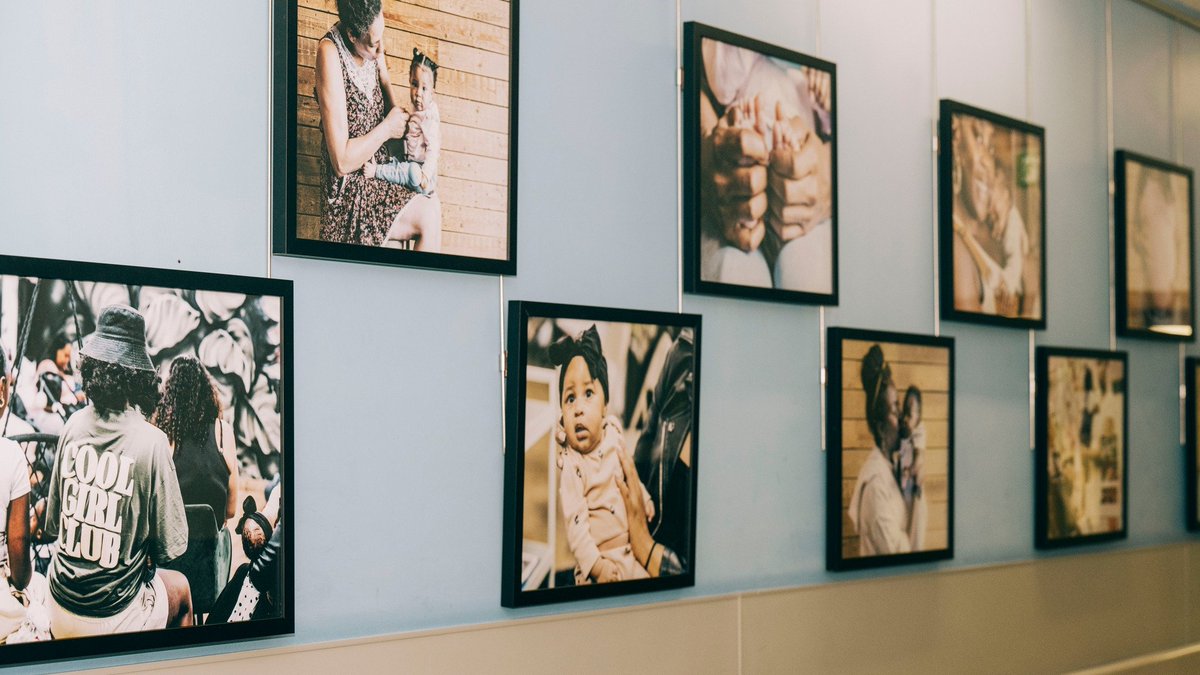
145, 455
889, 449
602, 452
759, 170
992, 218
395, 132
1192, 447
1081, 479
1155, 280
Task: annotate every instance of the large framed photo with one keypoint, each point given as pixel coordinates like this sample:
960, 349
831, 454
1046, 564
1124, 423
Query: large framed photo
602, 452
145, 458
1082, 447
759, 170
1192, 447
395, 129
992, 218
890, 449
1155, 281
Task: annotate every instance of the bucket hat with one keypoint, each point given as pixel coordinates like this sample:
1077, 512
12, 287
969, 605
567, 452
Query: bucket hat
120, 338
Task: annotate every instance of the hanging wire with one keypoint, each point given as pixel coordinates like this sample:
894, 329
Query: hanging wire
1029, 116
1112, 190
933, 73
22, 342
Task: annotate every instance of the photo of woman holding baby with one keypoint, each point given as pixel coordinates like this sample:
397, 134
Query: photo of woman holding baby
600, 488
760, 162
890, 441
378, 174
992, 211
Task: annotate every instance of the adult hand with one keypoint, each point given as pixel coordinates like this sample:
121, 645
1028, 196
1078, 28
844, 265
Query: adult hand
739, 174
630, 486
396, 121
800, 190
605, 571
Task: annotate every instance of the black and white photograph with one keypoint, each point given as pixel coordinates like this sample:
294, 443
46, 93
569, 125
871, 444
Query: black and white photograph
890, 449
145, 458
1155, 285
602, 452
1082, 443
760, 169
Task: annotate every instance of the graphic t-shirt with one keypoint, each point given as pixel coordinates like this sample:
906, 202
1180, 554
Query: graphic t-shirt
114, 503
14, 482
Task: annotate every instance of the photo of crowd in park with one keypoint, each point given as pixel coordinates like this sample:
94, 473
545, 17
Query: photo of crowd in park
1082, 446
608, 456
1154, 238
760, 166
142, 457
401, 115
992, 217
891, 448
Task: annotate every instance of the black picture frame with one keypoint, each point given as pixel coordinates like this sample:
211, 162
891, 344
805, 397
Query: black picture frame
1191, 448
1128, 316
922, 361
74, 271
289, 164
984, 253
1046, 535
676, 340
699, 237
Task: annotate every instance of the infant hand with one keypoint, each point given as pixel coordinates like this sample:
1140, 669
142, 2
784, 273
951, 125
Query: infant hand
369, 169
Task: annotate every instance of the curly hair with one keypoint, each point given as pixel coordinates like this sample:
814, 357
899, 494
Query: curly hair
358, 15
189, 404
114, 388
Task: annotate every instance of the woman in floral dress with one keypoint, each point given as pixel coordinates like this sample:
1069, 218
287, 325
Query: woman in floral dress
358, 116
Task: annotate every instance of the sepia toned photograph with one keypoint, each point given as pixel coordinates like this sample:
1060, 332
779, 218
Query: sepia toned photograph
1153, 207
145, 455
760, 169
992, 212
395, 132
602, 450
890, 449
1082, 446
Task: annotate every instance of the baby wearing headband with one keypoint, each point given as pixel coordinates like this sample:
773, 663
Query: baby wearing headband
592, 506
416, 167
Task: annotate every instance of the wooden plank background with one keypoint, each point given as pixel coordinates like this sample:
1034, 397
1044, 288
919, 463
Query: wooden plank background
469, 40
928, 368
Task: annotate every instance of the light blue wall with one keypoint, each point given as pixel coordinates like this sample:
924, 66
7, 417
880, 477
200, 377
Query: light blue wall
136, 132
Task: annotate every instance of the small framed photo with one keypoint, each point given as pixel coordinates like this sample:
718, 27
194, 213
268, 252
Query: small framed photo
890, 449
759, 170
1192, 448
1081, 480
147, 453
992, 218
394, 132
1155, 280
602, 452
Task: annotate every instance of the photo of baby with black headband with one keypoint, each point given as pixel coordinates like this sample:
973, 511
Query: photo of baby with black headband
607, 493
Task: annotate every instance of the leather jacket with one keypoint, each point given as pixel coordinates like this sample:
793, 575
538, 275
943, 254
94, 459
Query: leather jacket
659, 447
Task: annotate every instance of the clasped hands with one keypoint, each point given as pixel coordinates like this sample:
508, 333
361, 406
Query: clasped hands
756, 183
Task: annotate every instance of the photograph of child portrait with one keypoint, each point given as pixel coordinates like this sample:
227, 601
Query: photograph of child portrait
890, 444
1082, 446
143, 455
992, 191
1154, 248
600, 488
400, 116
760, 163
